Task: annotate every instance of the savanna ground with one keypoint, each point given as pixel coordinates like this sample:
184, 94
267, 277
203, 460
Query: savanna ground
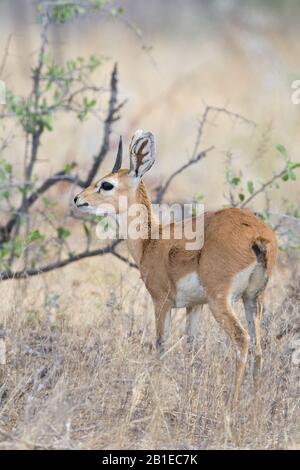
77, 373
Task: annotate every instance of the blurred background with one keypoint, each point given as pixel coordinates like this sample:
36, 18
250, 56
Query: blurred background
78, 371
174, 58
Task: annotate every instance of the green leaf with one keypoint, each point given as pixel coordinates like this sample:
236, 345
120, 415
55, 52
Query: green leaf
241, 197
47, 122
97, 218
63, 13
46, 201
281, 149
68, 167
235, 181
34, 236
23, 191
5, 170
290, 174
18, 247
250, 187
295, 165
63, 233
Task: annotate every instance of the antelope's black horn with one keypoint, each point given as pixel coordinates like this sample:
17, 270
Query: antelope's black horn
118, 162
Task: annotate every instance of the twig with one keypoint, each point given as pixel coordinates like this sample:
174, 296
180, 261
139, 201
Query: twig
111, 117
196, 154
122, 258
5, 55
263, 187
285, 216
36, 92
162, 189
288, 330
172, 347
59, 264
236, 116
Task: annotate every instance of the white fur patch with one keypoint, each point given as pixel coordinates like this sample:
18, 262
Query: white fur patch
190, 291
241, 281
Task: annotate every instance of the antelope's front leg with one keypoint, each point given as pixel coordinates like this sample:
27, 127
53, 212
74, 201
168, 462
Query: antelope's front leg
192, 322
162, 323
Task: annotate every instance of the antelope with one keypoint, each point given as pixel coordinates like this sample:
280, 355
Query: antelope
235, 261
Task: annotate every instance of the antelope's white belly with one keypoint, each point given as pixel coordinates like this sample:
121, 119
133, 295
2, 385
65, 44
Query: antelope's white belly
190, 291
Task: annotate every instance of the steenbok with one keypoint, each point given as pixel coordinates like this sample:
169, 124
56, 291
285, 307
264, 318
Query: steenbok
235, 261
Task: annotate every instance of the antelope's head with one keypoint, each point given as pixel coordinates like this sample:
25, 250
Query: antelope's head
103, 197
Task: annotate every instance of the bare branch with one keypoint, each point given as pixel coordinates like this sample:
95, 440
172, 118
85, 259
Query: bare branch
232, 114
122, 258
162, 189
113, 109
198, 155
36, 92
6, 142
7, 275
268, 183
110, 118
4, 276
294, 219
5, 55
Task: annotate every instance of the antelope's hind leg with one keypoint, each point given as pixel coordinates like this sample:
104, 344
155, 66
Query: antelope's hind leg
253, 311
222, 311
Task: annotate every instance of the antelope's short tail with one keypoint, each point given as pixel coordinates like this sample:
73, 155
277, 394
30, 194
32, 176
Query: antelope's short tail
265, 251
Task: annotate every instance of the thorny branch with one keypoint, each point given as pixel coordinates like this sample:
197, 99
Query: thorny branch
263, 187
11, 229
110, 249
58, 264
113, 109
111, 117
5, 232
5, 55
198, 155
161, 190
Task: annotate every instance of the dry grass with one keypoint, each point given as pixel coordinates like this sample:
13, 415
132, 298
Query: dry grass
77, 375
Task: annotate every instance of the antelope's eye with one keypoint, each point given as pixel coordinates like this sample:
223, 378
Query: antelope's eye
106, 186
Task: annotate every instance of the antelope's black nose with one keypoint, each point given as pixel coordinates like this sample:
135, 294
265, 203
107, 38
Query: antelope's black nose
75, 199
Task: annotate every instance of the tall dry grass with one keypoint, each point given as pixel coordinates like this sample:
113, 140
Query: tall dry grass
77, 375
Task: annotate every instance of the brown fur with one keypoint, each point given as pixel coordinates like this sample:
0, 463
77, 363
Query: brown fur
234, 240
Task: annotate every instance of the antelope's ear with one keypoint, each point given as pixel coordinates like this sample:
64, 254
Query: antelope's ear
142, 153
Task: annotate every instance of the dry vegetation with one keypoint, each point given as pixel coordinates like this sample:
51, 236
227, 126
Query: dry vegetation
77, 373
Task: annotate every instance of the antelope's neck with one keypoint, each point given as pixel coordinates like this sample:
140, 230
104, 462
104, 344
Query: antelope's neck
140, 222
